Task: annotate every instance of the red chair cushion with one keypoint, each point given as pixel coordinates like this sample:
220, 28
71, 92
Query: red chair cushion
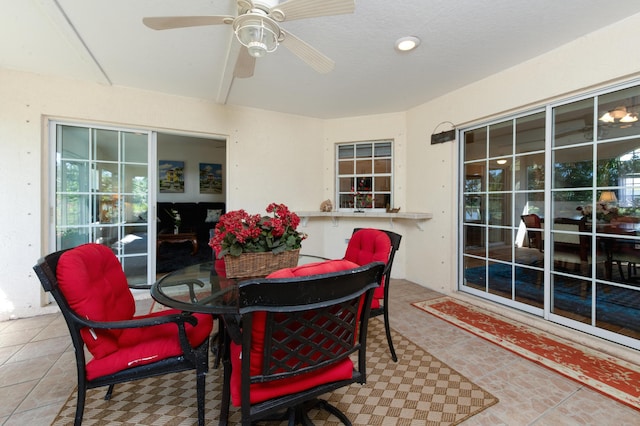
323, 267
273, 389
218, 264
145, 345
269, 390
369, 245
92, 281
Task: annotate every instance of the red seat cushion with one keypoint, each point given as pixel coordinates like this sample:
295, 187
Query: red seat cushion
92, 281
273, 389
145, 345
323, 267
369, 245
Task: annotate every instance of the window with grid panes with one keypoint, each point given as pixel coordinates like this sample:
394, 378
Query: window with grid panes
364, 174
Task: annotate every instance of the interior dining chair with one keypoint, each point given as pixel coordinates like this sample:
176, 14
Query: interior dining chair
571, 245
534, 230
91, 290
620, 250
376, 245
625, 252
298, 330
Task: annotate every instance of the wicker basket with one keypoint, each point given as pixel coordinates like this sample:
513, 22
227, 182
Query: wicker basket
259, 264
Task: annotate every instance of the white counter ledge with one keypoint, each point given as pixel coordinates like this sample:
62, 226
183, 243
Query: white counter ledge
419, 218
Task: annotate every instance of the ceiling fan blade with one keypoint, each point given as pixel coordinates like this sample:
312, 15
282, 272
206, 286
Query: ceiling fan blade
245, 64
299, 9
171, 22
308, 54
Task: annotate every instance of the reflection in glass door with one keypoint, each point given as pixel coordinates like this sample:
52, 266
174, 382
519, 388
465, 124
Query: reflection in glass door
596, 230
102, 193
550, 213
504, 180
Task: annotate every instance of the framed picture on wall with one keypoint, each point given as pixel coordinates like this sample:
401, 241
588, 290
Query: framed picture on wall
210, 178
171, 175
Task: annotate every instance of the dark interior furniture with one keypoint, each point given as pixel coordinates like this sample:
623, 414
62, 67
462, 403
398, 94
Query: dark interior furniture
617, 241
571, 245
91, 290
534, 230
195, 217
297, 338
370, 245
188, 237
625, 251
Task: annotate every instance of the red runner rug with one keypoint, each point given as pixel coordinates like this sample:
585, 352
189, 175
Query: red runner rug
611, 376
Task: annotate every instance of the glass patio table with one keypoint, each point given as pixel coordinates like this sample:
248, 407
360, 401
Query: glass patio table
198, 288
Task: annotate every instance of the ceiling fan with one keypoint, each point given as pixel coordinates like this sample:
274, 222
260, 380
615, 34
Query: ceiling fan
258, 30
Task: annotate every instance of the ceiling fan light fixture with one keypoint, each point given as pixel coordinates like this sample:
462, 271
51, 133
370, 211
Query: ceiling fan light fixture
259, 34
620, 114
607, 118
629, 118
406, 44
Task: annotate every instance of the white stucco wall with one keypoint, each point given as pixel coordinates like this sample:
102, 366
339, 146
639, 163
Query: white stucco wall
270, 157
285, 158
589, 62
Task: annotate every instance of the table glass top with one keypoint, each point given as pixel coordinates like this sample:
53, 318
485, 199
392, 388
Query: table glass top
198, 288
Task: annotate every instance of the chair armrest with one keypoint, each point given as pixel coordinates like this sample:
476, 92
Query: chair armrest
179, 319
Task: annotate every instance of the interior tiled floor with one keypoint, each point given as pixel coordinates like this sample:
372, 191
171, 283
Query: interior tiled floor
37, 371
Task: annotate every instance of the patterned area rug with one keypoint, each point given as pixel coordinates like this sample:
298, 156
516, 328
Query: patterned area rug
417, 390
611, 376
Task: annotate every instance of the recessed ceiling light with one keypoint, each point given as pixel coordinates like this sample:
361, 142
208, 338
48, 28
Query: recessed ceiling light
406, 44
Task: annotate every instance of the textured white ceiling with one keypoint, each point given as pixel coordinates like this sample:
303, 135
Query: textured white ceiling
462, 41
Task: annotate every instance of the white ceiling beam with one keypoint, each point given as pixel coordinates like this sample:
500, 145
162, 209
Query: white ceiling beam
227, 75
61, 21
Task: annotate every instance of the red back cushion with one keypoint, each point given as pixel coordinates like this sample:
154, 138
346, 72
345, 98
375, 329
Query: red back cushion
263, 391
316, 268
218, 264
91, 279
366, 246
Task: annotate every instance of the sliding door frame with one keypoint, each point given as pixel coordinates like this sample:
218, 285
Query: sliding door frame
121, 226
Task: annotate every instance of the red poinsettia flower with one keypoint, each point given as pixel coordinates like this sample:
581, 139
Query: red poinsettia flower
239, 232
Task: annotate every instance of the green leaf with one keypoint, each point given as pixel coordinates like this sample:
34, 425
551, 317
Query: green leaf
235, 250
280, 249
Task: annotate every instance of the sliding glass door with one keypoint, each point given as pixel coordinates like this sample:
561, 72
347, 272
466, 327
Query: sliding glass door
101, 193
550, 213
503, 175
595, 205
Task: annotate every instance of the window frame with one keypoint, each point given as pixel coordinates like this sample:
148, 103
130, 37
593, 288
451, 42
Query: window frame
107, 213
365, 192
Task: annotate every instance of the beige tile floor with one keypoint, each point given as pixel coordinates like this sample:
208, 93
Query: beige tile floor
37, 371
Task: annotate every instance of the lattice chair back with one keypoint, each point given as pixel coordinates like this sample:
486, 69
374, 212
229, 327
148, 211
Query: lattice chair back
298, 335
